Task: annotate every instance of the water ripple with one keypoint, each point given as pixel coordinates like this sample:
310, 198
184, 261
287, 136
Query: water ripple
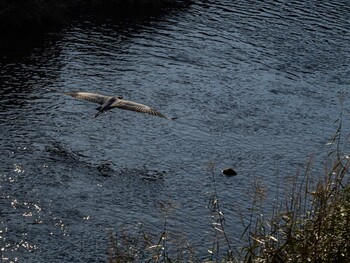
253, 84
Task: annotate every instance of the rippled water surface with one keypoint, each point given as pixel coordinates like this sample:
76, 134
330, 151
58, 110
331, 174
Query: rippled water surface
254, 85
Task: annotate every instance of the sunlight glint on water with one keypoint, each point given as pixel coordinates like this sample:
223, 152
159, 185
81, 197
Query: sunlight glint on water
254, 86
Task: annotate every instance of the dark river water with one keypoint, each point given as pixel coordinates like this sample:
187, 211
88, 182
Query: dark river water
254, 85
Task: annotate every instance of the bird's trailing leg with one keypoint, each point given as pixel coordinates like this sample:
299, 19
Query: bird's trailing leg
105, 106
98, 113
101, 109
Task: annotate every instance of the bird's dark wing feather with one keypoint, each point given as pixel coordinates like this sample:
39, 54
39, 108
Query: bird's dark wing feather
92, 97
133, 106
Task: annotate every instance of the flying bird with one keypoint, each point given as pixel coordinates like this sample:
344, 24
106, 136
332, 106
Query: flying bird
110, 102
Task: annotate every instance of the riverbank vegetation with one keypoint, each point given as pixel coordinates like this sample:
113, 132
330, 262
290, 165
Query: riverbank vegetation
18, 14
310, 224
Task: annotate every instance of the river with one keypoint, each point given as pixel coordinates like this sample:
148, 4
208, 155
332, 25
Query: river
253, 85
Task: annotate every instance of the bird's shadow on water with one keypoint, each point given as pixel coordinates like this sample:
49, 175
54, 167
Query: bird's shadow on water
75, 160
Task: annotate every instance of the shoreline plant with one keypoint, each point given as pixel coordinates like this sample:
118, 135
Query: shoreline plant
312, 224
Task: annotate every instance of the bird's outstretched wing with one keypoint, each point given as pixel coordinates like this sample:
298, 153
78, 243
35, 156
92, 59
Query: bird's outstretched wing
92, 97
133, 106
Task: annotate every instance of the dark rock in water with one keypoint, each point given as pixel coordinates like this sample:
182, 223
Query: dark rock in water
229, 172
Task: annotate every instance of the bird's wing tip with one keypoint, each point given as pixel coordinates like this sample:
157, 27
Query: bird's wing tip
68, 93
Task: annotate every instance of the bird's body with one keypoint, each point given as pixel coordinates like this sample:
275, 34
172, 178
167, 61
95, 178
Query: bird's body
110, 102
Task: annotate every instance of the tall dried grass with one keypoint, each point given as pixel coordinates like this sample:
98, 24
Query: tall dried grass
312, 224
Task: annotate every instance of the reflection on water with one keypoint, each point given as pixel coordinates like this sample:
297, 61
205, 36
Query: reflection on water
253, 85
